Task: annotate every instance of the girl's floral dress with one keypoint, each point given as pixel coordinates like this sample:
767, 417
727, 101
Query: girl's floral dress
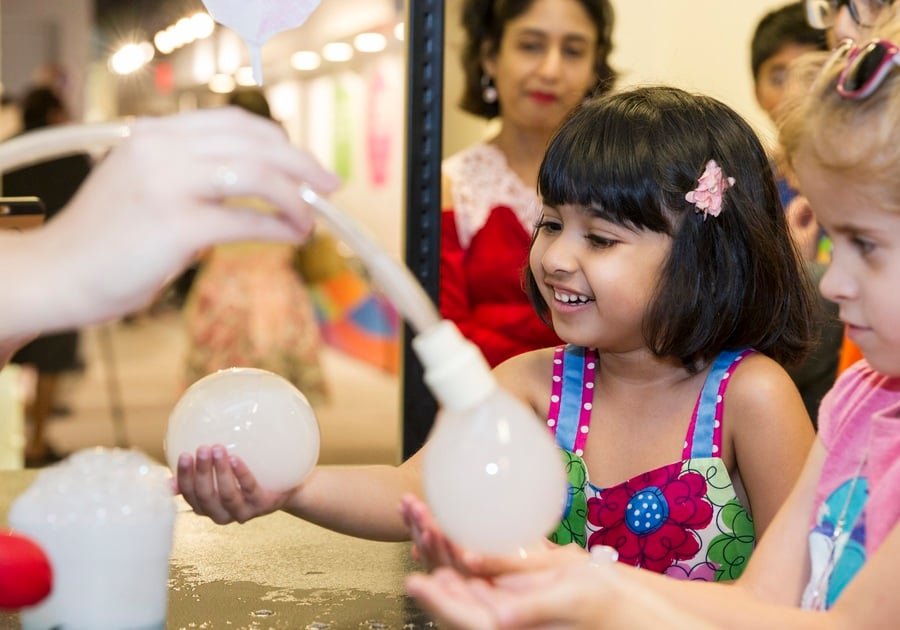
684, 519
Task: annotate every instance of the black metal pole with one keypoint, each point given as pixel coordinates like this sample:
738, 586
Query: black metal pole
425, 86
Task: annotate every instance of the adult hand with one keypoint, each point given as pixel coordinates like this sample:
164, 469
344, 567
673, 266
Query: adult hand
167, 192
221, 486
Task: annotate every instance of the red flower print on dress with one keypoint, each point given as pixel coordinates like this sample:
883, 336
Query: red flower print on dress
652, 519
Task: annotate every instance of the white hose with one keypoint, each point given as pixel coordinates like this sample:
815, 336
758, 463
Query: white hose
59, 140
395, 280
391, 277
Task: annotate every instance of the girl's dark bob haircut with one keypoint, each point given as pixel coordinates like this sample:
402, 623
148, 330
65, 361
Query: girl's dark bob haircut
730, 281
484, 22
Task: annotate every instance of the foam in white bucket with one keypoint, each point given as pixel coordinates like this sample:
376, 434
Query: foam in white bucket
104, 517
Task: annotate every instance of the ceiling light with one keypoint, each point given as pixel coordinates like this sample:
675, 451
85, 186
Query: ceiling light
244, 76
221, 84
337, 51
202, 25
305, 60
369, 42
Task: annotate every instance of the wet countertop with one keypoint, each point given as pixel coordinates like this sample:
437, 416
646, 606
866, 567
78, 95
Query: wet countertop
273, 572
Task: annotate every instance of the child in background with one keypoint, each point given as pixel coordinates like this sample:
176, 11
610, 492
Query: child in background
781, 36
663, 259
834, 545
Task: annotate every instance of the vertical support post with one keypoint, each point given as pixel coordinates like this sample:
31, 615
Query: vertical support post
425, 59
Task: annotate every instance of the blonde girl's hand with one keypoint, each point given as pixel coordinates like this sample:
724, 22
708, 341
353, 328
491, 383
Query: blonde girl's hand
582, 595
221, 486
453, 600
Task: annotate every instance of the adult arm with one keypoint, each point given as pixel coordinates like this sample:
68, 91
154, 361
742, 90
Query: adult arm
146, 210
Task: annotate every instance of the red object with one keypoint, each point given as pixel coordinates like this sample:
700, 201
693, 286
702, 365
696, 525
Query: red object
163, 78
481, 288
25, 573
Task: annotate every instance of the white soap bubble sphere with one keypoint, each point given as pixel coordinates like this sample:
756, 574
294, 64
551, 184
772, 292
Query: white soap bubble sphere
493, 476
257, 415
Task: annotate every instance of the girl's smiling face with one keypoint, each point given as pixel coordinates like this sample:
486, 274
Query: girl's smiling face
596, 276
864, 275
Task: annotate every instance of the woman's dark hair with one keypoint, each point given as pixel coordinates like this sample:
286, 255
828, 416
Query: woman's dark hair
730, 281
40, 106
253, 100
484, 22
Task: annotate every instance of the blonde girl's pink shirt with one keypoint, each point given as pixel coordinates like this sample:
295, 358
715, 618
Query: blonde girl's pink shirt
860, 417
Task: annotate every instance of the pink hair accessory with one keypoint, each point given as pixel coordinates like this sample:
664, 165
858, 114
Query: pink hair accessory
707, 196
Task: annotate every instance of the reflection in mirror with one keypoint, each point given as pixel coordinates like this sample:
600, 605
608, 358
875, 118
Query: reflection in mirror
350, 112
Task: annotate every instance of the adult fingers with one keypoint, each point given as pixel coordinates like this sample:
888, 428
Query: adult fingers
233, 134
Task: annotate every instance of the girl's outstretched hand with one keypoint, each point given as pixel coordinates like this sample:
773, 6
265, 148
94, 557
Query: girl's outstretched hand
221, 486
431, 547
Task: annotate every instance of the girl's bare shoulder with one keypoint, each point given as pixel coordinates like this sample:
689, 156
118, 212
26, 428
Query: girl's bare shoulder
762, 391
528, 374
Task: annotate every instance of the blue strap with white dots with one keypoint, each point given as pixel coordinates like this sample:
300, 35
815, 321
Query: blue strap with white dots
570, 398
702, 441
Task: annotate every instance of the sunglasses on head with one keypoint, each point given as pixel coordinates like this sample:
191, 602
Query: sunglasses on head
821, 14
866, 67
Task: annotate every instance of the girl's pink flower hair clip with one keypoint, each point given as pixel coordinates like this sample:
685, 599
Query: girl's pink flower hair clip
707, 196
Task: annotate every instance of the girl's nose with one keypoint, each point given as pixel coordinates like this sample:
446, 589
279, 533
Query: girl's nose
837, 283
557, 257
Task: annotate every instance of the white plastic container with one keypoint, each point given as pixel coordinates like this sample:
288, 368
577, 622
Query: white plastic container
104, 517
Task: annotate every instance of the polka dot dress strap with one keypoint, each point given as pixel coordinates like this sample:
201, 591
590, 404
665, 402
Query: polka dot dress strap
587, 401
704, 437
567, 393
720, 399
556, 389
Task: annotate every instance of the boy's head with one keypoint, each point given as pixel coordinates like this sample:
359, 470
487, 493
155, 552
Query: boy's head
780, 37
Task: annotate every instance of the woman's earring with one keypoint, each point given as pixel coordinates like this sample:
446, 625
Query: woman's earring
488, 91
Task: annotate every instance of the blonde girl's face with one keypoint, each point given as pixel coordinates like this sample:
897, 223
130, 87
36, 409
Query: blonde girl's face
544, 65
864, 275
597, 277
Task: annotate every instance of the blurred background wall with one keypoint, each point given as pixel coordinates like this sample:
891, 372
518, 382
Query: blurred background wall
350, 111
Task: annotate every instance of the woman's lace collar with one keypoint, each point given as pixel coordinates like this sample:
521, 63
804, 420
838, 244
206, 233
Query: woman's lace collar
481, 180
